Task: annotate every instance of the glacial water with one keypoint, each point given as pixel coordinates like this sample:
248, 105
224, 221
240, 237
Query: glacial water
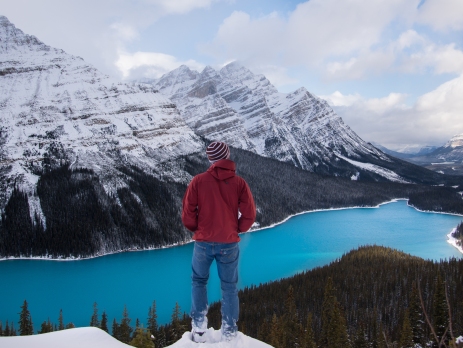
135, 279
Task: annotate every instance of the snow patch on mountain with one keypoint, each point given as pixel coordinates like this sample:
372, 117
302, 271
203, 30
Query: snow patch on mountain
386, 173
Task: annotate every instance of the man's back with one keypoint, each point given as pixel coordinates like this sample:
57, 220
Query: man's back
212, 201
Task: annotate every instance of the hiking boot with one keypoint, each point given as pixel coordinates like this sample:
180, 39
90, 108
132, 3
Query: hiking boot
198, 336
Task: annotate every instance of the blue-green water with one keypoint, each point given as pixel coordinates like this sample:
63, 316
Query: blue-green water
136, 279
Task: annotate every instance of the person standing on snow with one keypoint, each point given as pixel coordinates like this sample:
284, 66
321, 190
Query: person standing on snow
211, 207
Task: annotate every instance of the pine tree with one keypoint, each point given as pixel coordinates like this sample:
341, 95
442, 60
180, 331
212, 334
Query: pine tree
275, 337
104, 322
25, 321
161, 340
380, 338
60, 320
360, 339
406, 335
309, 338
94, 320
439, 310
142, 339
116, 329
6, 332
334, 329
46, 326
291, 326
176, 328
125, 330
416, 316
153, 320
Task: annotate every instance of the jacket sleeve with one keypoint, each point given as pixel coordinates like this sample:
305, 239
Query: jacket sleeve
247, 209
190, 207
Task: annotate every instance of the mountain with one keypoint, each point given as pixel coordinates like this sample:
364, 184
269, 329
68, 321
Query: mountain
56, 109
247, 111
446, 159
424, 150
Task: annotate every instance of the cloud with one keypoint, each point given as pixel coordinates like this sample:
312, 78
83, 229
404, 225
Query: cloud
442, 15
149, 64
432, 120
181, 6
410, 53
95, 30
314, 31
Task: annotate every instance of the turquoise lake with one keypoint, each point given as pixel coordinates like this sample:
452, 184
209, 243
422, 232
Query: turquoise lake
135, 279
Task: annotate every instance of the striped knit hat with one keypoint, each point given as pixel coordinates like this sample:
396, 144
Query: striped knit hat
217, 151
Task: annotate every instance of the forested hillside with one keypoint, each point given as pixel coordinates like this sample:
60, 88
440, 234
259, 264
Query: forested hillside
80, 219
370, 298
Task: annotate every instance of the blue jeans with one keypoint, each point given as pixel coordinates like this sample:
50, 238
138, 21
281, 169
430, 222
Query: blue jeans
226, 257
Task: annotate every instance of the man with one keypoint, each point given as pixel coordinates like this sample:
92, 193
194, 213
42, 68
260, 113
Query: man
217, 206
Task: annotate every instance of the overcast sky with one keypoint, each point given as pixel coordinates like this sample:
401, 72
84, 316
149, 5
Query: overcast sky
392, 69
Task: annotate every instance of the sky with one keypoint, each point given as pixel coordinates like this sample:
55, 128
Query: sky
392, 69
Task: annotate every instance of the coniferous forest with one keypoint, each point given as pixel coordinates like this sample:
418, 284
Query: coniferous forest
370, 297
80, 219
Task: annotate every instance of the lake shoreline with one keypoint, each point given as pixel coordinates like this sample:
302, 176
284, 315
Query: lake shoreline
37, 258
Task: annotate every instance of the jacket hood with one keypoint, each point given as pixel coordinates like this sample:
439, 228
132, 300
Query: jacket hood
223, 169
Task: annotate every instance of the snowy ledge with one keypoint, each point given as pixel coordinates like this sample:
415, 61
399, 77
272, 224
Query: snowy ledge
92, 337
453, 241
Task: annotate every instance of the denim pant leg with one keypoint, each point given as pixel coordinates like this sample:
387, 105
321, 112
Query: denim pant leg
227, 266
200, 265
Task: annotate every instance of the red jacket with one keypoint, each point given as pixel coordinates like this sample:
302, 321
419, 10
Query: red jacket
212, 201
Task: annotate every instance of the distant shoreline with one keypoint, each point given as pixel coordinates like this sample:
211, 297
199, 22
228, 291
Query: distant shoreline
37, 258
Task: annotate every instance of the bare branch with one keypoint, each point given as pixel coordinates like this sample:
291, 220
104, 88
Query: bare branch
450, 312
426, 315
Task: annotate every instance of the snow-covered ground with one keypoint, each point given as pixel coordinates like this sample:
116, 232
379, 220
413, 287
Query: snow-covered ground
91, 337
454, 241
82, 337
213, 340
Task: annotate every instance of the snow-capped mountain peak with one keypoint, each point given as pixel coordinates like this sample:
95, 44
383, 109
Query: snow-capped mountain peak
455, 141
55, 109
248, 112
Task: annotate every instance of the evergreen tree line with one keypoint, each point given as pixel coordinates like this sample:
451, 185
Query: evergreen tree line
458, 234
83, 220
153, 335
26, 326
373, 297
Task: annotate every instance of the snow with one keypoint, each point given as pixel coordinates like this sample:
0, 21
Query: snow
83, 337
213, 340
92, 337
388, 174
453, 241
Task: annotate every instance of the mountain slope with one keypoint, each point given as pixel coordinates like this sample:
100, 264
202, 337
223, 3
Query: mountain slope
248, 112
56, 109
446, 159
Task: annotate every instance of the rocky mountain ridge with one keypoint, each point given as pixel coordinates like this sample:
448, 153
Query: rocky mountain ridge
56, 109
248, 112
